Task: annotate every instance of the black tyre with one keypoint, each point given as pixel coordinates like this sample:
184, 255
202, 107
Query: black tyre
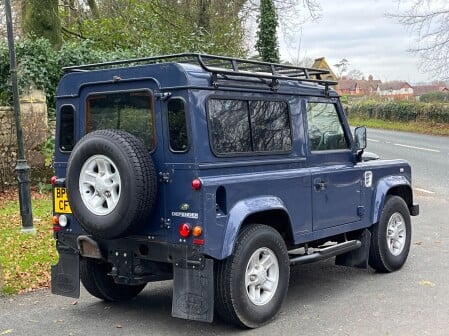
251, 284
390, 239
111, 183
95, 278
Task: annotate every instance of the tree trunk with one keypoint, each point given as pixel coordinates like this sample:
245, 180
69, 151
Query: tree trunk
41, 19
94, 8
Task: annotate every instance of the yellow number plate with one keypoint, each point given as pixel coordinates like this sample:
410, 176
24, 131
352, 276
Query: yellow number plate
61, 200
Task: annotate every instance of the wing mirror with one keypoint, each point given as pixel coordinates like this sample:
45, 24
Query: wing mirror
360, 141
360, 138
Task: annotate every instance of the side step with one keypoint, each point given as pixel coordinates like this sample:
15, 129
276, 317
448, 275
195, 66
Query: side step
326, 252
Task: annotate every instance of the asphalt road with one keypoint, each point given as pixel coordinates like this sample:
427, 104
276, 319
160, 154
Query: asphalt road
428, 155
323, 299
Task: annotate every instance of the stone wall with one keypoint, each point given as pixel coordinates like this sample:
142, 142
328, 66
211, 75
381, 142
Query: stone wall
34, 124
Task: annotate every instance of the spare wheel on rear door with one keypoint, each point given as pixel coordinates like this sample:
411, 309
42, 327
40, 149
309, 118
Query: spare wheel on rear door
111, 183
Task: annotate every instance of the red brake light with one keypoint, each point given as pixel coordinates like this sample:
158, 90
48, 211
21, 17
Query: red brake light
53, 180
196, 184
184, 230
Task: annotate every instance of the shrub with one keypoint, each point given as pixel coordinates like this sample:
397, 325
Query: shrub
400, 111
432, 97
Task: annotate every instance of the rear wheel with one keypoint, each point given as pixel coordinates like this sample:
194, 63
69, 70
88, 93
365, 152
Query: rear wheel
251, 284
97, 281
390, 240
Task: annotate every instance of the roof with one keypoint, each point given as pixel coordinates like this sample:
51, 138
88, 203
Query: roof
395, 85
320, 63
363, 84
195, 70
347, 84
419, 90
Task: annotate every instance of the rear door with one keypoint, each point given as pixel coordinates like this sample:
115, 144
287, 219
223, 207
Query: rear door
134, 108
336, 183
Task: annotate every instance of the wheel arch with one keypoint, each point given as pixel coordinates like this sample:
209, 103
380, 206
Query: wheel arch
391, 185
267, 210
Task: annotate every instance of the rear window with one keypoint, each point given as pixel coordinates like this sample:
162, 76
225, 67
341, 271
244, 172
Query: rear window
249, 126
128, 111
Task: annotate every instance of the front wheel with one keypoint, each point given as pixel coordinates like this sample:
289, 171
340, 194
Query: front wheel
251, 284
97, 281
391, 237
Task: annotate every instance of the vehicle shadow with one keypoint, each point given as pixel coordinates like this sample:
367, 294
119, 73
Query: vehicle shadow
310, 286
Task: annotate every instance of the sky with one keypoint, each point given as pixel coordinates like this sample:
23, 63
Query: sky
359, 31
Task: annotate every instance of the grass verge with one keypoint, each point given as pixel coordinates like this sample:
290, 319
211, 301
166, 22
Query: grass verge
414, 127
25, 259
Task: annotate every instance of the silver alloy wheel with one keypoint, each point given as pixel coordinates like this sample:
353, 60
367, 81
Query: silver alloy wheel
396, 234
100, 185
262, 276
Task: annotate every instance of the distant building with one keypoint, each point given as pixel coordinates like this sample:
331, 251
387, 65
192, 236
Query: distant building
358, 87
419, 90
320, 63
396, 90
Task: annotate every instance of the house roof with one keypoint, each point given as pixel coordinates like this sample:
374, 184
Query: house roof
419, 90
395, 85
363, 84
347, 84
320, 63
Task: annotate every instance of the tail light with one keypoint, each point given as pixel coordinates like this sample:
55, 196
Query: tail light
196, 184
184, 230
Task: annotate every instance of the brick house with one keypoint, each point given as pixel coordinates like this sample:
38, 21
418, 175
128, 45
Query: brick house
358, 87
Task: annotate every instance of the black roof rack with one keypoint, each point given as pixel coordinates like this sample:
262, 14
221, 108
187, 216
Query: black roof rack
224, 68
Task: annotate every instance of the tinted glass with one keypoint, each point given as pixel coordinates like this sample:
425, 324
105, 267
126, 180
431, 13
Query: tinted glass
229, 125
177, 126
241, 126
67, 128
127, 111
324, 127
270, 126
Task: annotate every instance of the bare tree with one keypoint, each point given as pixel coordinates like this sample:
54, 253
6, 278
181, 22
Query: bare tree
429, 19
342, 67
355, 74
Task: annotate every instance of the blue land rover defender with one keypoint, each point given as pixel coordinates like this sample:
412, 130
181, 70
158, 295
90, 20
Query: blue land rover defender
218, 173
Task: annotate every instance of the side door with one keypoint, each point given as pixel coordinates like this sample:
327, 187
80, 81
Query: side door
336, 183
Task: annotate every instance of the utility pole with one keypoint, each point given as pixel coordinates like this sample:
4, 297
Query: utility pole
22, 168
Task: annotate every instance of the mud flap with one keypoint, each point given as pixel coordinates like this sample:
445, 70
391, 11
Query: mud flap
359, 257
193, 291
65, 275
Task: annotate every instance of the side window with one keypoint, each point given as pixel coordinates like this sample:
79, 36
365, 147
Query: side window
128, 111
270, 124
67, 128
324, 127
229, 126
177, 127
245, 126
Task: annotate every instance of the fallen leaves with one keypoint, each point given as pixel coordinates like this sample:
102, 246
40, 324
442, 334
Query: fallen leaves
26, 259
427, 283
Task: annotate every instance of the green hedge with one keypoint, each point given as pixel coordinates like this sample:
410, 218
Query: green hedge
433, 97
400, 111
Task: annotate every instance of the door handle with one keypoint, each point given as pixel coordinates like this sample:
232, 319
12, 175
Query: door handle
320, 185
